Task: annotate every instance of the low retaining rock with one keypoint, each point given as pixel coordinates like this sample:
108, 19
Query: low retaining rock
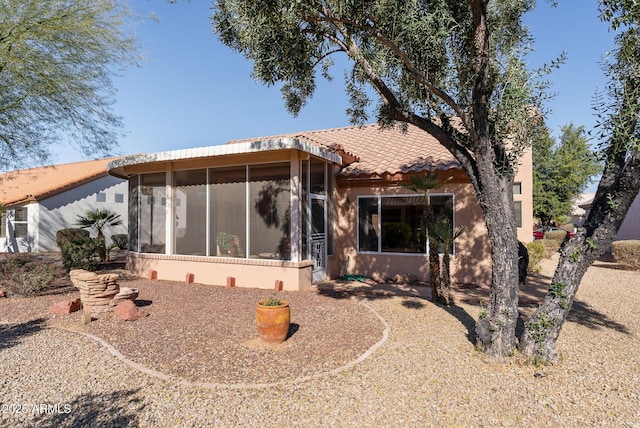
65, 307
128, 311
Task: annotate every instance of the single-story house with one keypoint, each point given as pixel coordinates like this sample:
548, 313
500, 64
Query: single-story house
302, 207
40, 201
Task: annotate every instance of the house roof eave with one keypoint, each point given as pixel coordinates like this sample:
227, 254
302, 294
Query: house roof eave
117, 167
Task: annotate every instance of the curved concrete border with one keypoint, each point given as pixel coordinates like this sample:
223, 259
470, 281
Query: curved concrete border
213, 385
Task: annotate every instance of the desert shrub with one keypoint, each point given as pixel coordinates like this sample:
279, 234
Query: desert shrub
537, 252
70, 235
120, 240
551, 246
24, 275
627, 253
84, 253
556, 235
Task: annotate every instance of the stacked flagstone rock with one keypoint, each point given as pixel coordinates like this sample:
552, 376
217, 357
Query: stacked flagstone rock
99, 293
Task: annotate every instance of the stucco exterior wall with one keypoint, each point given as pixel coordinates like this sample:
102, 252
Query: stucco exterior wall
524, 176
630, 227
471, 262
254, 273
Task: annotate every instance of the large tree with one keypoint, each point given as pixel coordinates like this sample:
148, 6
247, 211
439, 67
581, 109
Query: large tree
561, 171
454, 69
451, 68
619, 123
57, 59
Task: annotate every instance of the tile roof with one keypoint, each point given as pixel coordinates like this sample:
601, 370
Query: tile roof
375, 152
28, 185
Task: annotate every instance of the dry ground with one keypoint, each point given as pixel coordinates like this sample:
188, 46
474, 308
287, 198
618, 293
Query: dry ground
424, 370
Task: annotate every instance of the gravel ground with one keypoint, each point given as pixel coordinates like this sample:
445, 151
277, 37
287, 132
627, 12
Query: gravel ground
426, 373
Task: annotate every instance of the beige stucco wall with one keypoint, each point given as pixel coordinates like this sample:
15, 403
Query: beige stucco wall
471, 262
524, 176
254, 273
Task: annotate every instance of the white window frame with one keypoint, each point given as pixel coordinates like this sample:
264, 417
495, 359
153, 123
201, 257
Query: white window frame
379, 198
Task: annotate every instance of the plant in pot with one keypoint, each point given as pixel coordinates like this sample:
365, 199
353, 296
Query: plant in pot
272, 318
224, 240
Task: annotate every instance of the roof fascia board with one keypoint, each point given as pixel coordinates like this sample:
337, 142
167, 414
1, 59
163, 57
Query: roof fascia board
116, 167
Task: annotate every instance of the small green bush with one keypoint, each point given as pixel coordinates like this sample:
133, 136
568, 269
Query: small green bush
69, 235
537, 252
83, 253
120, 240
551, 247
23, 275
627, 253
556, 235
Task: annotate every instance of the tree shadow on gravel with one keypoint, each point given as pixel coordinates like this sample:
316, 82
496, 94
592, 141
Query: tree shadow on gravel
116, 409
11, 334
583, 314
465, 319
340, 289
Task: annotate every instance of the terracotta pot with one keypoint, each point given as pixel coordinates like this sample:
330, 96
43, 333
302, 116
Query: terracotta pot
273, 321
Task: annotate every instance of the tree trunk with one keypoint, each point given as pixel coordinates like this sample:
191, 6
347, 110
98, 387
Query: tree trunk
541, 331
618, 188
445, 281
434, 260
497, 325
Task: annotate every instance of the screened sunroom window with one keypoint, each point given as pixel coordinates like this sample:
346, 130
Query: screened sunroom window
191, 212
228, 211
270, 211
134, 203
152, 217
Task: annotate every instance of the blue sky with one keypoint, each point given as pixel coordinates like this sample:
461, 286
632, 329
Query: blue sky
192, 91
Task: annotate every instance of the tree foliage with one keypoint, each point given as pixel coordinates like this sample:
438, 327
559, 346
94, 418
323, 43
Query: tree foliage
57, 59
561, 171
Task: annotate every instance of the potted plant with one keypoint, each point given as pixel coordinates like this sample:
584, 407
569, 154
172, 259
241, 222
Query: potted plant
224, 240
272, 319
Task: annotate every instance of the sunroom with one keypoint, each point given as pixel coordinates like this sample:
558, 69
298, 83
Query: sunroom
251, 214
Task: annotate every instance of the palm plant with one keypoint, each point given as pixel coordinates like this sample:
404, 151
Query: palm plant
97, 220
443, 233
424, 183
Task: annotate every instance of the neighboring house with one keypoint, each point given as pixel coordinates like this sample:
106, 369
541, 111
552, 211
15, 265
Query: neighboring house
303, 207
630, 227
40, 201
578, 213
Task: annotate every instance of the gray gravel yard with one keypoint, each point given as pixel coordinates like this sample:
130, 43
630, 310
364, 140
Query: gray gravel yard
359, 356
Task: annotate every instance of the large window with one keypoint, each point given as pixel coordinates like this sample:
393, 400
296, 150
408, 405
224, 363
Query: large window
152, 219
270, 211
228, 213
393, 224
190, 212
517, 208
